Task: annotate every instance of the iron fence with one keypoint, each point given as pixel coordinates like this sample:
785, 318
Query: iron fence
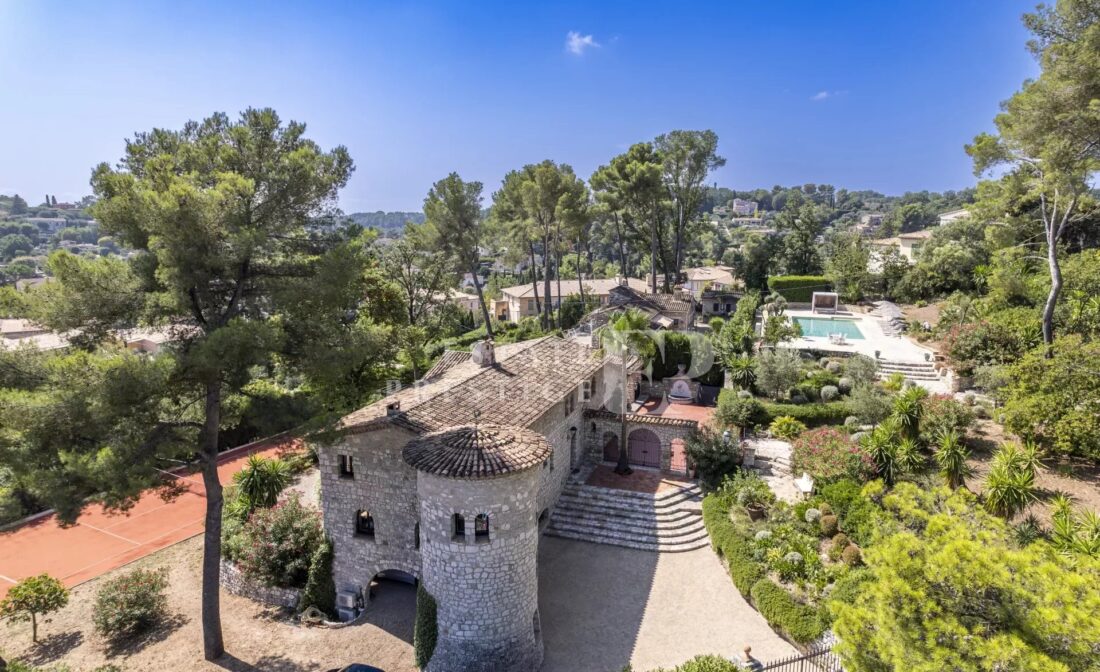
816, 660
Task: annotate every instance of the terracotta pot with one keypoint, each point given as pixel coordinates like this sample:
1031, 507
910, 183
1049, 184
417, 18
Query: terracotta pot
755, 512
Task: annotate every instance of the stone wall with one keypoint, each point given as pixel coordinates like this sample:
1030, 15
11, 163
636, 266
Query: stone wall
597, 427
384, 485
486, 590
234, 581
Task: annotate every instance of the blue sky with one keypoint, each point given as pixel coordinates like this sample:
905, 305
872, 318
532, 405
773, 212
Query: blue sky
878, 95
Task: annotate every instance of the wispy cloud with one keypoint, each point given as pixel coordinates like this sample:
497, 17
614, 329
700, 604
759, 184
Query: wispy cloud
577, 44
825, 95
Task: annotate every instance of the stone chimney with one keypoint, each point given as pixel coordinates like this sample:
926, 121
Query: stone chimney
482, 354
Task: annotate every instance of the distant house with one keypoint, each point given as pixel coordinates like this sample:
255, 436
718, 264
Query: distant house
953, 216
718, 302
908, 244
708, 277
465, 300
870, 220
51, 224
742, 207
16, 328
518, 302
664, 311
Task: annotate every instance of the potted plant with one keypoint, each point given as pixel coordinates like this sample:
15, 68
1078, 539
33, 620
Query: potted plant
755, 496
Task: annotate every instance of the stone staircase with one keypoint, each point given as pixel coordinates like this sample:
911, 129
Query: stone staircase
667, 522
911, 370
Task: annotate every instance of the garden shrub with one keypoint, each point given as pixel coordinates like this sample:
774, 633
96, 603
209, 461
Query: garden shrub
33, 597
828, 454
786, 427
812, 515
833, 367
426, 628
868, 403
279, 543
320, 590
851, 555
861, 369
828, 525
733, 544
942, 414
829, 393
845, 590
798, 288
811, 415
713, 457
706, 663
801, 622
844, 384
736, 411
130, 604
841, 495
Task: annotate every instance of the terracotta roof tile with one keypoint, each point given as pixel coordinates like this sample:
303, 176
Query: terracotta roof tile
477, 451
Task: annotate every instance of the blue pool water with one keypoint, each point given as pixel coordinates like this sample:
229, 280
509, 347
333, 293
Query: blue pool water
821, 327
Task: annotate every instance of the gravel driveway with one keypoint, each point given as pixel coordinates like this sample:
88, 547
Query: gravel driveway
603, 607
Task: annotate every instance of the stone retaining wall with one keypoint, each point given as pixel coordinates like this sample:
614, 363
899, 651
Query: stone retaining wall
234, 581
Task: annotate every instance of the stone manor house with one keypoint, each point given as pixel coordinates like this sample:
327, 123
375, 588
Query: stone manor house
451, 481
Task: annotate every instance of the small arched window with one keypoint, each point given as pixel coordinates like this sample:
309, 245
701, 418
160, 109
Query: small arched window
481, 527
459, 530
364, 523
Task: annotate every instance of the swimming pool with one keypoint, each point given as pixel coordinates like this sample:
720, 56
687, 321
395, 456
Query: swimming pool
821, 327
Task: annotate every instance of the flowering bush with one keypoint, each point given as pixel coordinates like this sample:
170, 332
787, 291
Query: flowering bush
828, 454
130, 604
785, 427
278, 543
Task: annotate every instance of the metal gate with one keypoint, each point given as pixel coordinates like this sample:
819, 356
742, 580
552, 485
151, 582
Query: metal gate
644, 448
678, 461
820, 659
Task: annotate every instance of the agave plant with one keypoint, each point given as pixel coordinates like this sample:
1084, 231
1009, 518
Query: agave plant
261, 481
951, 456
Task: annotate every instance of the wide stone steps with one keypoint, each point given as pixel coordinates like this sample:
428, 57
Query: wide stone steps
911, 370
670, 521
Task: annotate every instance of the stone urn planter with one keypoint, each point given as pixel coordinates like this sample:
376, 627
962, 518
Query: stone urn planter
755, 511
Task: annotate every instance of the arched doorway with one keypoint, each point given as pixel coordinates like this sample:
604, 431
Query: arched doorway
392, 600
644, 448
610, 447
678, 460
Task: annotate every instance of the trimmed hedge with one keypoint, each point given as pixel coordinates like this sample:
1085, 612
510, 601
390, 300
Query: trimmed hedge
811, 415
734, 544
801, 622
426, 628
320, 590
799, 288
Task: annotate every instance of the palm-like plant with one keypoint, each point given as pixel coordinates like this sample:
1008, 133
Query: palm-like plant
261, 481
1074, 534
1010, 486
909, 456
951, 456
907, 409
626, 336
882, 445
742, 371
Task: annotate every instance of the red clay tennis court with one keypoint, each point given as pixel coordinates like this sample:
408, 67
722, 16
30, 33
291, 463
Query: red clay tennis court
102, 541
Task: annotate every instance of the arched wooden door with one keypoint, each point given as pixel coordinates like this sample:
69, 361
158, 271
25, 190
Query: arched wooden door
644, 448
610, 447
678, 461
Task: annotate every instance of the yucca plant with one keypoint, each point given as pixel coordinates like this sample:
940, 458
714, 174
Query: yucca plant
951, 456
882, 445
907, 410
1010, 485
261, 481
742, 371
909, 456
1074, 534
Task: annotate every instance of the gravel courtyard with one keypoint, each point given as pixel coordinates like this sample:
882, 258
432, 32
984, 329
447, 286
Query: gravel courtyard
603, 607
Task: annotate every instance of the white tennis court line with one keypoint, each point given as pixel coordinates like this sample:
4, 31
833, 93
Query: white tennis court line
112, 534
8, 579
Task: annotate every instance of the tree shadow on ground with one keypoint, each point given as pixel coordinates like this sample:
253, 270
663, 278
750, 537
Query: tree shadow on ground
129, 646
50, 649
271, 663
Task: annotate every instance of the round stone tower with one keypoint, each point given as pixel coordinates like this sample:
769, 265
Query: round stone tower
477, 487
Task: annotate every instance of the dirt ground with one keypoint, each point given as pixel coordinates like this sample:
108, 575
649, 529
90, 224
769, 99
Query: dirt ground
256, 637
1077, 479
